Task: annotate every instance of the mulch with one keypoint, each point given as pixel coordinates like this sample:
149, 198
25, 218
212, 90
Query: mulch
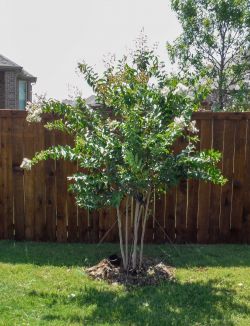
152, 272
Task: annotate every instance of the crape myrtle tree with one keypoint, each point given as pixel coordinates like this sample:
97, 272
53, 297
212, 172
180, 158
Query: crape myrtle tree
215, 43
126, 146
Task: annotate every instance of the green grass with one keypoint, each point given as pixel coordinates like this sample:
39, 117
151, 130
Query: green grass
45, 284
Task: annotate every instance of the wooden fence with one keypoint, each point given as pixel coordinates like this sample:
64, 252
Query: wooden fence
35, 205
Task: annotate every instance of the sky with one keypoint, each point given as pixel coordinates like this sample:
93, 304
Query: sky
49, 37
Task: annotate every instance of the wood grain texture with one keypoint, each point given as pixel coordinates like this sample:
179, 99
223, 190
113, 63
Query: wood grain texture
246, 196
238, 180
227, 191
204, 188
61, 192
83, 225
7, 178
192, 199
192, 210
181, 201
35, 205
50, 188
29, 181
181, 212
159, 232
40, 205
71, 168
170, 203
17, 178
215, 197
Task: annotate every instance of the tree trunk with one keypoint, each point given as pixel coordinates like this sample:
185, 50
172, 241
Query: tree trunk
121, 238
145, 218
128, 260
126, 232
138, 210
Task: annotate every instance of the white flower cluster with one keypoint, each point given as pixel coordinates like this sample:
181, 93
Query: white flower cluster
35, 109
180, 122
153, 82
183, 90
26, 164
234, 87
165, 91
192, 127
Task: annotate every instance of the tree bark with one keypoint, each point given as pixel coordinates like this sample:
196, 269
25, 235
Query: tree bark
126, 232
121, 238
144, 227
138, 210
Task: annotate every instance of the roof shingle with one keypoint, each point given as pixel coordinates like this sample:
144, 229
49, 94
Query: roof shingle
7, 64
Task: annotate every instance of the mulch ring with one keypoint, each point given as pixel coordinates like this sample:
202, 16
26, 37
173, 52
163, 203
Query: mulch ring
152, 272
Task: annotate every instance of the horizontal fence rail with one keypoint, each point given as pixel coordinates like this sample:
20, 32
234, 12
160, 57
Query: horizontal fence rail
35, 205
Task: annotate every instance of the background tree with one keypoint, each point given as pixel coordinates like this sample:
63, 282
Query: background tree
126, 147
215, 42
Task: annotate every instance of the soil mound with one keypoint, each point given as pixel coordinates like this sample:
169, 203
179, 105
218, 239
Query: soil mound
152, 272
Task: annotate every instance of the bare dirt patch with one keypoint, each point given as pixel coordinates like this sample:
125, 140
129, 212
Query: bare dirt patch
152, 272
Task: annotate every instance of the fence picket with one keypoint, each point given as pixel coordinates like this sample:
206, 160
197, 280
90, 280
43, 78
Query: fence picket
159, 232
181, 201
83, 225
71, 168
238, 180
18, 189
226, 193
29, 181
50, 188
170, 203
204, 188
61, 193
246, 201
6, 154
215, 199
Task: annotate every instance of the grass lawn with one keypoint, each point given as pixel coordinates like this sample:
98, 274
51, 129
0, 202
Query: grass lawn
45, 284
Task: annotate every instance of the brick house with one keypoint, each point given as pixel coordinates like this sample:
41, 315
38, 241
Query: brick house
15, 85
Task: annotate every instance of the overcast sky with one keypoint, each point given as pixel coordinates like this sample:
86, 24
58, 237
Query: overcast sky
49, 37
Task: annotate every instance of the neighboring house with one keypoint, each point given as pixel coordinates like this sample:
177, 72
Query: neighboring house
69, 102
91, 101
15, 85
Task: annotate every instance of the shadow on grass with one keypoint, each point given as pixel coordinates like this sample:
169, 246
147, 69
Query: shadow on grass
54, 254
205, 302
82, 255
171, 303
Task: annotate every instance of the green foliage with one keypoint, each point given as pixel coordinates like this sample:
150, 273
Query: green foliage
127, 146
215, 42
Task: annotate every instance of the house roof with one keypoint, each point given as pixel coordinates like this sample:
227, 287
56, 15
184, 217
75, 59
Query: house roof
7, 65
26, 75
91, 101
